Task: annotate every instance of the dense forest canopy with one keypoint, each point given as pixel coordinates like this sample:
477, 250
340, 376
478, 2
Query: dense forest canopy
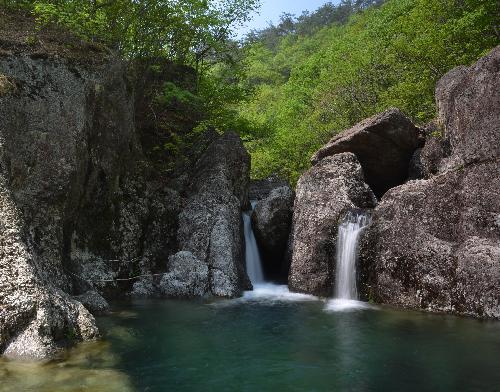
291, 86
320, 73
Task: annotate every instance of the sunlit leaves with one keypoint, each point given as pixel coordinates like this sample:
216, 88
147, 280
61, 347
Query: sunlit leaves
310, 86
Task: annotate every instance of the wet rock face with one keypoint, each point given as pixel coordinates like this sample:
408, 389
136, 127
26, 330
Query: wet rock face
324, 194
435, 244
384, 145
271, 222
210, 225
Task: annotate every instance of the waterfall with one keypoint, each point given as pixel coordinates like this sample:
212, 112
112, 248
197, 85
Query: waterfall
263, 291
347, 252
252, 255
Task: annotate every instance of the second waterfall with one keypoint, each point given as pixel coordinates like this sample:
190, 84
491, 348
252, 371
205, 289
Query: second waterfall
346, 294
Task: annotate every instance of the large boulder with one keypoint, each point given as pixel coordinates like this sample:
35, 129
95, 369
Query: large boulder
36, 318
188, 277
384, 145
210, 224
271, 222
324, 195
435, 244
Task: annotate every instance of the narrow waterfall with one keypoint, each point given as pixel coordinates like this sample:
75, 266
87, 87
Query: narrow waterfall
263, 291
252, 255
347, 251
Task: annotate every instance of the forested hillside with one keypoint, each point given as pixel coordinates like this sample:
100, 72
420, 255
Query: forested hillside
313, 76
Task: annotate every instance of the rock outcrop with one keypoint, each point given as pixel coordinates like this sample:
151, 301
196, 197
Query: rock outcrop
271, 222
210, 225
324, 195
384, 145
65, 139
435, 244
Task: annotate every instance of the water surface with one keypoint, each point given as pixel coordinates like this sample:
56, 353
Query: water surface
282, 343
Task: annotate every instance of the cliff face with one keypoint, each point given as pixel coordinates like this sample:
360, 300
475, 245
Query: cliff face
433, 243
81, 204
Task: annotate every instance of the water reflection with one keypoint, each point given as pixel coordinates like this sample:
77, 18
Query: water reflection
257, 345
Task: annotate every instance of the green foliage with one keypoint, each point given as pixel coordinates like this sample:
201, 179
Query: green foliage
173, 94
307, 87
185, 31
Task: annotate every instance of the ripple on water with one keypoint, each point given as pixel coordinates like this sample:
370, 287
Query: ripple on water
347, 305
267, 293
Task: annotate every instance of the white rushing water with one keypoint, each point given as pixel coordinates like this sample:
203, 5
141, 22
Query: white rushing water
252, 254
346, 294
262, 290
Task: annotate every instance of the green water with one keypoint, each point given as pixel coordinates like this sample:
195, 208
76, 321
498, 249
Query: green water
271, 346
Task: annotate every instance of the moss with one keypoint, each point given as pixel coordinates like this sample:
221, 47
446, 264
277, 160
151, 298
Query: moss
71, 334
7, 86
438, 132
31, 40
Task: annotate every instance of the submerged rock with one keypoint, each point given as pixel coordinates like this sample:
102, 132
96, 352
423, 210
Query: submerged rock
271, 222
324, 195
384, 145
435, 244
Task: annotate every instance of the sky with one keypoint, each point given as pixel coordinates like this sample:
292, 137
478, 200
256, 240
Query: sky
272, 9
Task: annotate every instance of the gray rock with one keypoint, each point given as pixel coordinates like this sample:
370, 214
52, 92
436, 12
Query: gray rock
145, 287
36, 318
93, 302
260, 189
324, 195
468, 102
416, 167
210, 225
187, 277
435, 244
435, 150
384, 145
271, 222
